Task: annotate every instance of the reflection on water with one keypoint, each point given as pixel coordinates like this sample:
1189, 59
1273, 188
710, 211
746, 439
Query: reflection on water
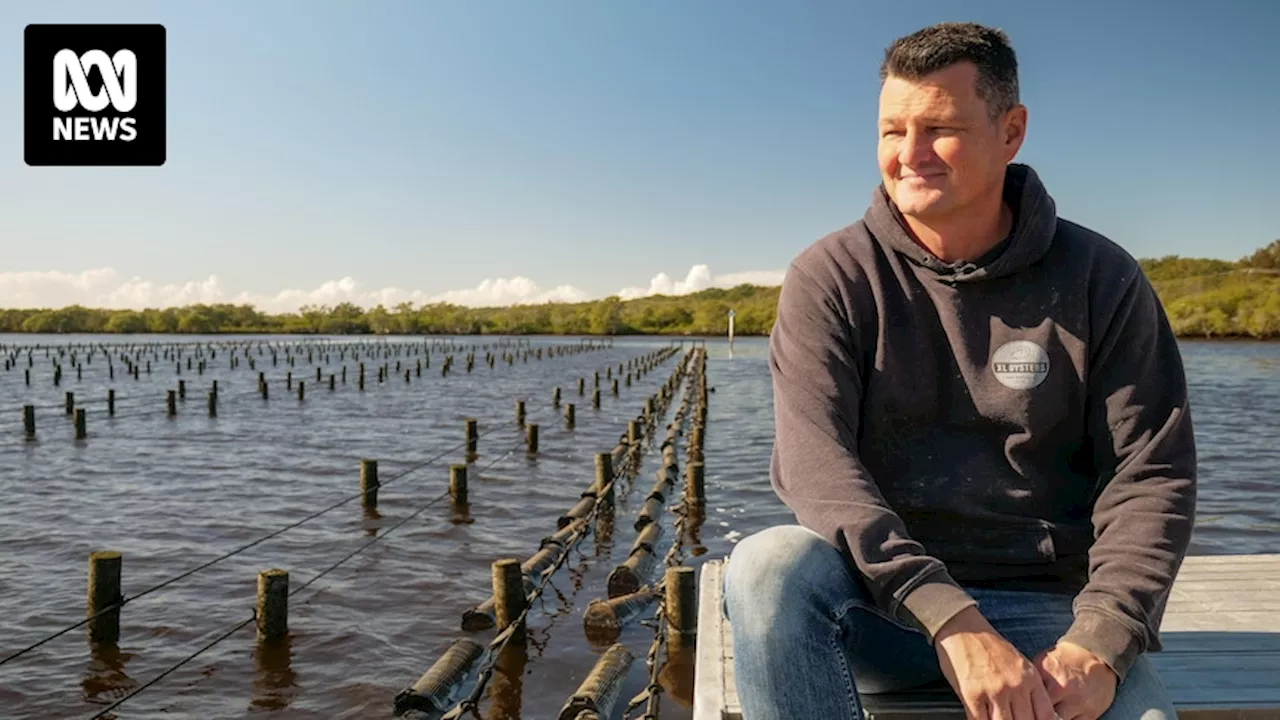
105, 679
460, 513
172, 493
676, 675
506, 687
274, 683
372, 520
695, 515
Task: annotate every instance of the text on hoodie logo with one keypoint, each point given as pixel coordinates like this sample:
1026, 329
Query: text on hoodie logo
1020, 364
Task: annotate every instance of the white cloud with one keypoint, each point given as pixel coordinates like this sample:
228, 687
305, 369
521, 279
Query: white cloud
700, 278
516, 291
105, 288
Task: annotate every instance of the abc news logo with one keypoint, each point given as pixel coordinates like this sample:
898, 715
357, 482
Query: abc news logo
108, 101
71, 90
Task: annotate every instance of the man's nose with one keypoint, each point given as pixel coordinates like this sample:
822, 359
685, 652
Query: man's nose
916, 149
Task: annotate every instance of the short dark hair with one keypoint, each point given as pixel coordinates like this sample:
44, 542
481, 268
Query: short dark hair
931, 49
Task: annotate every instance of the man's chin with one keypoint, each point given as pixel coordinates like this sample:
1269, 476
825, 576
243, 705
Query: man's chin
919, 204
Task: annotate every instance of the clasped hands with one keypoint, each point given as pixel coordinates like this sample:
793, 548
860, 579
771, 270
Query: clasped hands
995, 681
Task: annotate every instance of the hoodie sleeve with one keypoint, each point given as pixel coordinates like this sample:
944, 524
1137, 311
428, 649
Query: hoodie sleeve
817, 389
1145, 456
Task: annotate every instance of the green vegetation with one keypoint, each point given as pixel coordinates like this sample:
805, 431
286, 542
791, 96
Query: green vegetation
1204, 298
1216, 298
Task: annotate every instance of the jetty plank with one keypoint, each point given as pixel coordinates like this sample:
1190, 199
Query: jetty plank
1221, 657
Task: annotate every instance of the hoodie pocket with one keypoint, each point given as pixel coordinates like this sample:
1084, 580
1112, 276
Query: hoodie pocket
952, 538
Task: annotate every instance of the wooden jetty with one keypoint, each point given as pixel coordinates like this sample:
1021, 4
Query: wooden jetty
1221, 660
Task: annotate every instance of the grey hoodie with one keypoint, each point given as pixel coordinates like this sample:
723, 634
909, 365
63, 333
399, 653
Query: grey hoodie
1018, 421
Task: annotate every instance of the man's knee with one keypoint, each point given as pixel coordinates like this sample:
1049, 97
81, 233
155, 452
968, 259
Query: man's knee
781, 567
1142, 696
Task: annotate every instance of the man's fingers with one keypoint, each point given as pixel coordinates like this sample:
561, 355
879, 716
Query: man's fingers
1074, 711
1000, 709
1041, 704
1055, 690
1020, 706
977, 708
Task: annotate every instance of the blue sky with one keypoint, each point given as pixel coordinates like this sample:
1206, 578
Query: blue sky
486, 151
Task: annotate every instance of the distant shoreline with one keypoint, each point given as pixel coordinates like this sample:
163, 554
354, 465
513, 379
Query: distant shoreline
690, 336
1213, 300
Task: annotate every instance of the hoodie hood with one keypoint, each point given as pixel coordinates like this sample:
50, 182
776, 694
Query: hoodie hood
1034, 224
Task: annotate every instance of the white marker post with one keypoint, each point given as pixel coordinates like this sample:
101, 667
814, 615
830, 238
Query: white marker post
731, 329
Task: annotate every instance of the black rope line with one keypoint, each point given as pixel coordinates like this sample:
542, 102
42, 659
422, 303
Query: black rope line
254, 616
116, 606
232, 553
470, 703
180, 663
365, 546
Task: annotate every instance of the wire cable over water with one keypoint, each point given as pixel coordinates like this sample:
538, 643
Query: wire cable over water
496, 647
292, 592
501, 641
240, 549
494, 650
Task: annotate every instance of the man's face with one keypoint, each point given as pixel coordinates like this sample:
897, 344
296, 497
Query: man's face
939, 150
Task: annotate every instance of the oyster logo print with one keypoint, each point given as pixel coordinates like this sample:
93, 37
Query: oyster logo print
1020, 364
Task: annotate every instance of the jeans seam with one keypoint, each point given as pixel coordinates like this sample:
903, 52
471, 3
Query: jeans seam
851, 688
848, 605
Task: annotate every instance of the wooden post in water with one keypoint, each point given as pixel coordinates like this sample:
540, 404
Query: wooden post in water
71, 402
595, 398
531, 438
555, 397
81, 431
273, 604
520, 413
582, 386
696, 489
171, 402
681, 605
458, 483
302, 390
473, 438
508, 594
568, 415
105, 569
213, 403
182, 389
604, 477
369, 483
29, 420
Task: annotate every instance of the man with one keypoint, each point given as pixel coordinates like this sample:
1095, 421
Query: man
982, 428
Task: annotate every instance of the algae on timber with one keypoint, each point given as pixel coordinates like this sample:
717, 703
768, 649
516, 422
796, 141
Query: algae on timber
1203, 298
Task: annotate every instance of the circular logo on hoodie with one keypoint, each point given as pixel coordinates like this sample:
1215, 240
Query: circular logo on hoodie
1020, 364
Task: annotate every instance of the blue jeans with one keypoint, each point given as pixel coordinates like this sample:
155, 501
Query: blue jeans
808, 639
